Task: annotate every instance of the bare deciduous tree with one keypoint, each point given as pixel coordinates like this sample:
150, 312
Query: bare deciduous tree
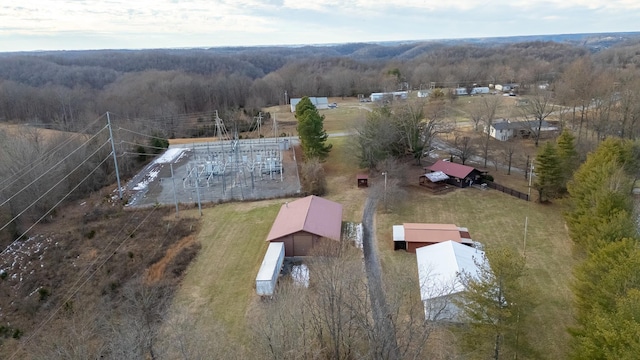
536, 111
490, 104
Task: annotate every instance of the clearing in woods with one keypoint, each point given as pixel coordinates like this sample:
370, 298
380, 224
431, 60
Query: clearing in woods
222, 278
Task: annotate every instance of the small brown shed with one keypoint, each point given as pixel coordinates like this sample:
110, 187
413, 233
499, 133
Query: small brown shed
410, 236
363, 180
305, 223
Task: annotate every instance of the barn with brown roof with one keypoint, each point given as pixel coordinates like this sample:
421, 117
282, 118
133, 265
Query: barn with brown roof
410, 236
305, 223
459, 175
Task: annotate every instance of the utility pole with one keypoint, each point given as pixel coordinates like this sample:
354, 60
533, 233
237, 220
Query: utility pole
115, 158
198, 194
530, 176
384, 195
173, 180
259, 121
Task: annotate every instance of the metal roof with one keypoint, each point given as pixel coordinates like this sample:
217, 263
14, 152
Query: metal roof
398, 233
452, 169
533, 124
312, 214
436, 176
440, 266
414, 232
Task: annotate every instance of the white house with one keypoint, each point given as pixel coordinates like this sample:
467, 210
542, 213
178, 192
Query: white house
395, 95
474, 91
321, 103
440, 267
504, 129
506, 87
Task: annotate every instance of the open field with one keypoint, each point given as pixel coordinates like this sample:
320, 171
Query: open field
336, 120
221, 280
496, 219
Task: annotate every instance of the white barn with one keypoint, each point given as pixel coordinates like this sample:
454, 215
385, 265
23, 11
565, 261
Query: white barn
439, 272
321, 103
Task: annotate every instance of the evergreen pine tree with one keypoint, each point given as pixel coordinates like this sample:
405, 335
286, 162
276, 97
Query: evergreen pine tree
568, 157
311, 130
495, 305
548, 173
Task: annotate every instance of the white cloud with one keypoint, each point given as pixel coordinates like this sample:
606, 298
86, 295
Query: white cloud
176, 23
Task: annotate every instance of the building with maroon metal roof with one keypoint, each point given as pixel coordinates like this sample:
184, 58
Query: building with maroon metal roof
304, 223
459, 175
410, 236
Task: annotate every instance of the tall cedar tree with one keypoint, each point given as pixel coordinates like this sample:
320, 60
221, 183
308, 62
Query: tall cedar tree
601, 209
495, 305
311, 131
602, 224
568, 156
548, 173
608, 327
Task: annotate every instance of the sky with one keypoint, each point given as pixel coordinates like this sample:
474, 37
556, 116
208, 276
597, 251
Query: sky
138, 24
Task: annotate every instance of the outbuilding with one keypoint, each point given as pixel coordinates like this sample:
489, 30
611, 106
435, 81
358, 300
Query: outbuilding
410, 236
440, 268
363, 180
304, 224
459, 175
321, 103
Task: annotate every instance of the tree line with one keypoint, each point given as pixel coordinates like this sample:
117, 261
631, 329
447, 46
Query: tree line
67, 89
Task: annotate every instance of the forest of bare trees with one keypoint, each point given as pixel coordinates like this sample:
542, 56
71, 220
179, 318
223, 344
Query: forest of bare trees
595, 93
65, 89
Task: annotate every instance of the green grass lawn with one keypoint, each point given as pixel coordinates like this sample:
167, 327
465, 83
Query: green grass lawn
221, 281
342, 118
222, 278
496, 219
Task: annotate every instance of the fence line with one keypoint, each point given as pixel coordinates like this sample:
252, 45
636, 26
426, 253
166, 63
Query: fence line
506, 190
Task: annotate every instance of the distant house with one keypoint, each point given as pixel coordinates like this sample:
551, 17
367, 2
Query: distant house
459, 175
410, 236
321, 103
424, 93
305, 223
504, 129
395, 95
439, 273
506, 87
474, 91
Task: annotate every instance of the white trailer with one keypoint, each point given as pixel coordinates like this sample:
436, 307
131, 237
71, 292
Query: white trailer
270, 269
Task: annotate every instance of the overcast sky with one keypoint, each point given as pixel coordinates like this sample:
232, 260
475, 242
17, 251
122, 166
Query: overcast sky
133, 24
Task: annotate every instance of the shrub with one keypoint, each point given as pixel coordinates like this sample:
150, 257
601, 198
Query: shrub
44, 293
486, 177
313, 178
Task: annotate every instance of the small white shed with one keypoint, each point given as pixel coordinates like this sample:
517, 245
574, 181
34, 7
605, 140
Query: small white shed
270, 269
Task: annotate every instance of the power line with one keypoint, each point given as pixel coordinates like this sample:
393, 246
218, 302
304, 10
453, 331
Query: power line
143, 145
138, 133
25, 170
51, 168
53, 187
73, 292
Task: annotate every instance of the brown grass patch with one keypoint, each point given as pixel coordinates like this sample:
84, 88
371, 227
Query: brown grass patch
156, 272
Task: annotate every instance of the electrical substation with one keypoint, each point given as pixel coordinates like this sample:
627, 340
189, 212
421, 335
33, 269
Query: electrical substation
226, 169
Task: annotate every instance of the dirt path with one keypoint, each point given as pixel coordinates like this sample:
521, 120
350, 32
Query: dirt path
156, 271
388, 346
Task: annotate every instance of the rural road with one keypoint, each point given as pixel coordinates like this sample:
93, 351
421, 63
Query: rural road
384, 329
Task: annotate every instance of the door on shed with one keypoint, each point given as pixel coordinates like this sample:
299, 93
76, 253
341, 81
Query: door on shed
303, 243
